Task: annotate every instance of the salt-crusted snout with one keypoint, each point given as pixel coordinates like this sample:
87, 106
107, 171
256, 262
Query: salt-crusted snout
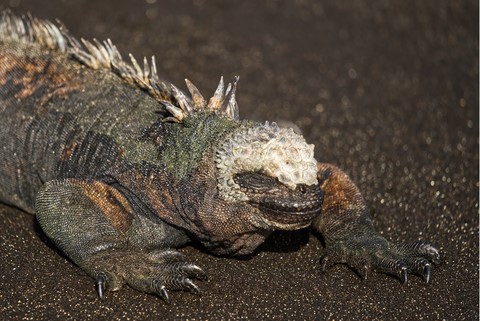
275, 152
274, 170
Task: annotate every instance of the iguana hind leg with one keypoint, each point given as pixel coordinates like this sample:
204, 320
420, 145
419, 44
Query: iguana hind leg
95, 226
350, 238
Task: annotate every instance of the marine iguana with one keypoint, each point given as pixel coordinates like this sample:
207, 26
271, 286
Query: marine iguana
122, 169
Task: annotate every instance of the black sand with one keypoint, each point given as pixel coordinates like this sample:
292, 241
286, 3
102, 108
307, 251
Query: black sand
388, 91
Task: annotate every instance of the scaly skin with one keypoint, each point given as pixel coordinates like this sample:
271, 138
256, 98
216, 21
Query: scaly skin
122, 169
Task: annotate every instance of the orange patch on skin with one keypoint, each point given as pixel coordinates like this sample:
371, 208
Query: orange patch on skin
160, 200
34, 74
111, 202
67, 152
29, 85
339, 191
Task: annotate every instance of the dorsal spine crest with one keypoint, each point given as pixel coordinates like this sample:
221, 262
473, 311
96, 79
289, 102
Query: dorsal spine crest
95, 54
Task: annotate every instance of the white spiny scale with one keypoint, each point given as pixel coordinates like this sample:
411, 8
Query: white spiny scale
224, 109
89, 54
233, 109
102, 52
53, 35
198, 100
154, 75
111, 49
81, 56
135, 65
216, 101
103, 61
232, 106
227, 91
138, 74
146, 69
176, 112
181, 99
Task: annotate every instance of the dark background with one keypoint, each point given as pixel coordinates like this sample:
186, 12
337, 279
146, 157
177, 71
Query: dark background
387, 90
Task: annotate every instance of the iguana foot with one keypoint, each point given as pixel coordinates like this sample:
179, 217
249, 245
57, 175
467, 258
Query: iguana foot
154, 272
364, 253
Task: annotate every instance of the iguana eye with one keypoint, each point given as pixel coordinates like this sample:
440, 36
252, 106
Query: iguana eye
255, 181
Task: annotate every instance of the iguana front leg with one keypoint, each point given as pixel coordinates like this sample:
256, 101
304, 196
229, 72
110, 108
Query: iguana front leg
350, 237
96, 227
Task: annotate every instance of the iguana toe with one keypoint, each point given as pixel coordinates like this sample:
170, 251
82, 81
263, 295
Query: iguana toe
177, 276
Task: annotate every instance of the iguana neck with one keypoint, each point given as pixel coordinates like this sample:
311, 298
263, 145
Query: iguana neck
182, 146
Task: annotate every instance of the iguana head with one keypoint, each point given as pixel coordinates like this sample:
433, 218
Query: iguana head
272, 169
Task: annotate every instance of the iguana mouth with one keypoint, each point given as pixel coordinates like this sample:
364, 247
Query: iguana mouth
294, 213
280, 205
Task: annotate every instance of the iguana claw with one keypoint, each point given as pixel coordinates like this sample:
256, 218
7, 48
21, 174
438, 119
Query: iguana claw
404, 274
323, 263
426, 272
191, 286
161, 291
100, 284
363, 272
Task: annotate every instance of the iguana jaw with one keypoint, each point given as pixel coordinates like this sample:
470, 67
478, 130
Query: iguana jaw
287, 209
287, 221
290, 215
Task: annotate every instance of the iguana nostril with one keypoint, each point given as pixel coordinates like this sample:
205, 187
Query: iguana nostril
302, 188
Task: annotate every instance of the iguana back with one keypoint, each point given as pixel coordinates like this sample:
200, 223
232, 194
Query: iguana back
59, 108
